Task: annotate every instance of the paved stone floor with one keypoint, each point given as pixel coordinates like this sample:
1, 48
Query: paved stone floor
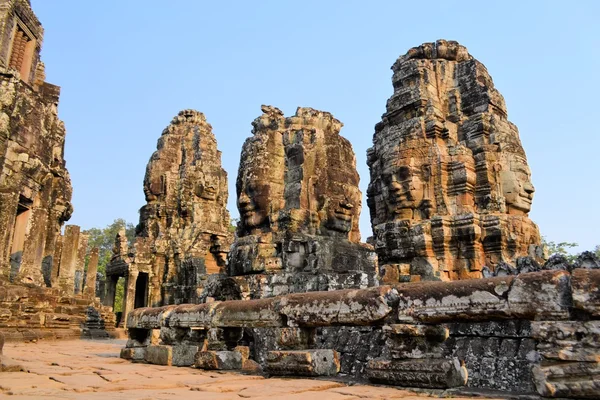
93, 370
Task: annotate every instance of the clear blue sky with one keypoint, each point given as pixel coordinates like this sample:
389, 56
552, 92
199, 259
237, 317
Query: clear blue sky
127, 67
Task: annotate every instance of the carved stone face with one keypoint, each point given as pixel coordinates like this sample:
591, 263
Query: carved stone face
405, 190
208, 187
253, 202
517, 188
342, 211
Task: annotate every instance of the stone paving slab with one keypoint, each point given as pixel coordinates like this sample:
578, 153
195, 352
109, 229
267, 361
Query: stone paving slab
89, 370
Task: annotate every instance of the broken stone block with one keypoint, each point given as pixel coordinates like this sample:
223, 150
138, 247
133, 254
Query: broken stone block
423, 373
133, 353
415, 341
586, 290
159, 355
148, 317
184, 355
218, 360
251, 367
339, 307
568, 380
260, 313
568, 340
192, 315
303, 362
295, 338
540, 295
536, 295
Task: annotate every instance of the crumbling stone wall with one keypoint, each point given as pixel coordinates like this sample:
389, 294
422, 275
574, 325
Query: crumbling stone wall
525, 333
299, 206
450, 187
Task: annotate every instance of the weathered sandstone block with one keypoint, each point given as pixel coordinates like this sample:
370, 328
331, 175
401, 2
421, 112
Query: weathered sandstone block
450, 187
586, 290
303, 362
427, 373
568, 380
184, 355
340, 307
539, 295
134, 353
219, 360
159, 355
148, 317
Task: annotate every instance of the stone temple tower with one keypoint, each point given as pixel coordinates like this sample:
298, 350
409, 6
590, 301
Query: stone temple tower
35, 188
183, 236
450, 188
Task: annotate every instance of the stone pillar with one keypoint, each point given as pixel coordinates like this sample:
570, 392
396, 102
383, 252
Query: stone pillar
33, 248
129, 296
51, 259
80, 265
111, 290
56, 260
8, 212
68, 259
90, 280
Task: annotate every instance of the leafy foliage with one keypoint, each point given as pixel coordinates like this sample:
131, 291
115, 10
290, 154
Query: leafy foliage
563, 248
104, 240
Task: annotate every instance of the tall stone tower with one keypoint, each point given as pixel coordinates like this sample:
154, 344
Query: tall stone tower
299, 206
183, 236
450, 188
35, 188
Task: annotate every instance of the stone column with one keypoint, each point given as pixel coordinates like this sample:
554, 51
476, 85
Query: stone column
111, 290
56, 260
90, 280
129, 296
80, 265
8, 212
68, 259
33, 248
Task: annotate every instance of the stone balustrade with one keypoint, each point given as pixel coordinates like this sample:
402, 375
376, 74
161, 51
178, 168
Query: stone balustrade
503, 333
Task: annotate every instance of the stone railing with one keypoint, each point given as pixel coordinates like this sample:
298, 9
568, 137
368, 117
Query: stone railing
532, 332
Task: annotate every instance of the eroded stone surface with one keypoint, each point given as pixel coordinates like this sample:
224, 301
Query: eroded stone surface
450, 187
299, 206
303, 362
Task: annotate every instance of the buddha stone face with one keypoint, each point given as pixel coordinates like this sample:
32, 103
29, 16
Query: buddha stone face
253, 202
517, 188
405, 189
342, 210
208, 186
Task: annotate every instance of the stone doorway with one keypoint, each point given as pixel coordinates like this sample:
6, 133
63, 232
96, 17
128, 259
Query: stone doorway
18, 243
141, 290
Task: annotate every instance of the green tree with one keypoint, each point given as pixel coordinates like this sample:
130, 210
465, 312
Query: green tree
562, 248
104, 240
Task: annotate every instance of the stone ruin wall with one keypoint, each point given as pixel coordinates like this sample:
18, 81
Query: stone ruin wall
534, 332
41, 271
450, 187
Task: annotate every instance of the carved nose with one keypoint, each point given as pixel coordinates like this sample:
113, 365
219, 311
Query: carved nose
346, 205
243, 200
529, 189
